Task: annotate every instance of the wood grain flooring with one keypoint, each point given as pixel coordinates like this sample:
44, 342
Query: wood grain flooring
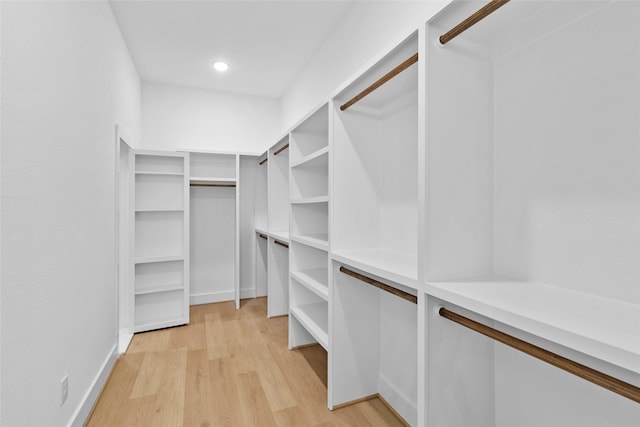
227, 367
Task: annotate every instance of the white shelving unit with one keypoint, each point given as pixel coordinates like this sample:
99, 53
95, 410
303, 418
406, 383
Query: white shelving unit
160, 239
533, 202
309, 252
376, 165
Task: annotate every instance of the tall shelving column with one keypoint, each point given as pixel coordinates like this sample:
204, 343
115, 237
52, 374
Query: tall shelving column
278, 233
309, 261
261, 220
373, 331
161, 239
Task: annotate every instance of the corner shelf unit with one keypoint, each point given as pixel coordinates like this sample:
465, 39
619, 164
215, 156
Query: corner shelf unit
160, 250
309, 251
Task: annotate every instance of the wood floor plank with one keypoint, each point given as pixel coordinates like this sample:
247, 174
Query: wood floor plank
227, 368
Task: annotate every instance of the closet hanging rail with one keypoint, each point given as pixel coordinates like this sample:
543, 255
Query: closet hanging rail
263, 161
382, 80
380, 285
603, 380
199, 184
281, 149
262, 236
278, 242
480, 14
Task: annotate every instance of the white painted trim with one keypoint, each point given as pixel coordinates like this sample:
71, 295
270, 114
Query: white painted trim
124, 339
211, 297
401, 403
83, 411
248, 293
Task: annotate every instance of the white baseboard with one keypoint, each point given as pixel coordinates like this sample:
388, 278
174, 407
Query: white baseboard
399, 401
210, 297
83, 411
124, 339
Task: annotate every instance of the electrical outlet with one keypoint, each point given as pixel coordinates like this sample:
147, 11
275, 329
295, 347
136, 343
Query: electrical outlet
64, 389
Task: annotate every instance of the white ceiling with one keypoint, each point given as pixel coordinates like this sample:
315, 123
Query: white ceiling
266, 43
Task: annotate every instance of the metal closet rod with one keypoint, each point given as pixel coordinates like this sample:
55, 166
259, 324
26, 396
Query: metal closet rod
197, 184
603, 380
263, 161
478, 16
395, 291
278, 242
281, 149
382, 80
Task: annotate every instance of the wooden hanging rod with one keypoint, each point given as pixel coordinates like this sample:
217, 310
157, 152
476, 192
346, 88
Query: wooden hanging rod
380, 285
382, 80
263, 161
262, 236
480, 14
278, 242
198, 184
603, 380
281, 149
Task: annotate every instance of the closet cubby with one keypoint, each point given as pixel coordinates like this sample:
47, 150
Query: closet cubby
533, 202
309, 317
373, 344
160, 218
278, 181
310, 222
310, 139
309, 269
261, 194
375, 168
212, 166
309, 179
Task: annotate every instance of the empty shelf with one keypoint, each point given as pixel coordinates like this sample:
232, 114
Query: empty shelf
160, 258
394, 266
318, 241
307, 200
315, 319
311, 157
603, 328
315, 279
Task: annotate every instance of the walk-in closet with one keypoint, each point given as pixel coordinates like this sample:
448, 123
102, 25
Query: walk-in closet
321, 213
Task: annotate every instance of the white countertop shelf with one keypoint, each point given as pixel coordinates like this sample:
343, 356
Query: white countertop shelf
158, 258
280, 235
603, 328
318, 241
315, 319
394, 266
315, 279
158, 289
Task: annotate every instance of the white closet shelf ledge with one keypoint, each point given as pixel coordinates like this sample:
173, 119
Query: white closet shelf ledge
212, 179
318, 241
158, 258
603, 328
159, 173
397, 267
158, 289
310, 200
315, 319
309, 158
280, 235
314, 279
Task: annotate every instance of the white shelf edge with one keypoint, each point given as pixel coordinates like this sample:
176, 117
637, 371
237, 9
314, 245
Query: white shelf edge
158, 258
159, 173
160, 289
308, 158
313, 285
322, 245
151, 325
512, 316
310, 324
310, 200
159, 210
279, 235
372, 268
211, 179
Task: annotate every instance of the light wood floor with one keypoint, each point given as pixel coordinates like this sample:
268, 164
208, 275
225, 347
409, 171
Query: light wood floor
227, 367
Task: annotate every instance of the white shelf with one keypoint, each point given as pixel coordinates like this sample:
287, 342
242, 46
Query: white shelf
309, 200
321, 152
160, 258
223, 180
148, 325
159, 173
161, 210
606, 329
318, 241
262, 231
315, 319
314, 279
394, 266
158, 289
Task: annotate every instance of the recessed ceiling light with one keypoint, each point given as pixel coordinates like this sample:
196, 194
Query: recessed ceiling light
220, 65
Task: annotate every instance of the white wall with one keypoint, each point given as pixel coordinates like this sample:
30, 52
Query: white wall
67, 79
370, 29
175, 117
